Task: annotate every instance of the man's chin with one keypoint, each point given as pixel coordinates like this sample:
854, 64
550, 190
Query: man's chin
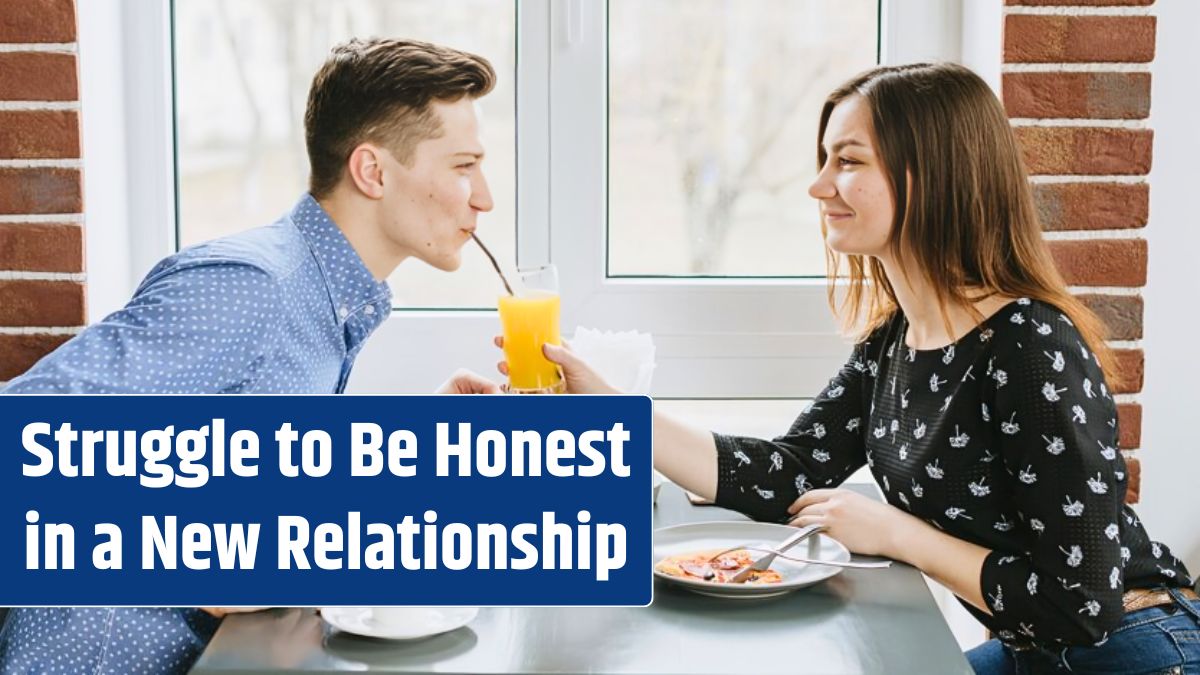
446, 264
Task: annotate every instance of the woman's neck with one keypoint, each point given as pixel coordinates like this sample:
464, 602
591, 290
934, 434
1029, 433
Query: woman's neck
918, 299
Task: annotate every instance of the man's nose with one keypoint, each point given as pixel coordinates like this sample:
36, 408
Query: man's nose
481, 195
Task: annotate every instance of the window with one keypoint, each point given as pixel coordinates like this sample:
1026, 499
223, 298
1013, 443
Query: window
599, 160
713, 110
242, 72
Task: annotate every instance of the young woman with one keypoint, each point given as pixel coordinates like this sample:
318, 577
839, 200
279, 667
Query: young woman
979, 393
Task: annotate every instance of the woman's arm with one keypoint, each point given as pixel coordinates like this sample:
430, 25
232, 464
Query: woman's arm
872, 527
950, 561
755, 476
686, 454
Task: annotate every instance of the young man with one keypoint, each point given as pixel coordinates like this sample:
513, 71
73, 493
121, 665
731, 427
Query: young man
395, 160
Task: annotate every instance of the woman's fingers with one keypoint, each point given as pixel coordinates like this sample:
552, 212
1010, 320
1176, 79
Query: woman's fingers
498, 341
502, 366
806, 520
808, 498
560, 354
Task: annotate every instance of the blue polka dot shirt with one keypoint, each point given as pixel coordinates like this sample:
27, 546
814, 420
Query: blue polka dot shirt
282, 309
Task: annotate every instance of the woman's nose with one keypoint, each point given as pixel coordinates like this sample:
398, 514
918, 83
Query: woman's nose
822, 187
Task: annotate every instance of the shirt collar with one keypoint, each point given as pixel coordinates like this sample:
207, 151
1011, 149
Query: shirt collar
352, 287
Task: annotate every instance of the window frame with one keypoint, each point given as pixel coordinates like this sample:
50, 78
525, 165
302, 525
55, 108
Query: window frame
715, 337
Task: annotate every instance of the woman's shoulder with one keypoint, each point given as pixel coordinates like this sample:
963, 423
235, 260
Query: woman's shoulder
1027, 321
1038, 339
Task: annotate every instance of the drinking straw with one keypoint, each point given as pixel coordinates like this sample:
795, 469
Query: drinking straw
495, 264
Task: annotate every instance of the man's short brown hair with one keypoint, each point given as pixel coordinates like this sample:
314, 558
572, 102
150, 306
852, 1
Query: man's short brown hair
379, 91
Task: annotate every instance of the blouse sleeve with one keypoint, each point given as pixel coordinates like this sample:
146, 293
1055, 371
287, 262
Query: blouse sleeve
823, 447
1057, 430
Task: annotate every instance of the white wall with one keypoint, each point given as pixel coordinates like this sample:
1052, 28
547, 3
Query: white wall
106, 217
1170, 505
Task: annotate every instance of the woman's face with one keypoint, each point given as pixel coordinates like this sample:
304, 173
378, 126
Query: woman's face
856, 204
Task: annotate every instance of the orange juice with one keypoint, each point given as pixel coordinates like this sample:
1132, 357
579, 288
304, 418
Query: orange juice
530, 321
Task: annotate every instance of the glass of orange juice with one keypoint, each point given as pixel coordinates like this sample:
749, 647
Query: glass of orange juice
529, 320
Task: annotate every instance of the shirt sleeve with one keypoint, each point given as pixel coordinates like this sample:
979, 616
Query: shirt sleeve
1057, 429
192, 329
761, 478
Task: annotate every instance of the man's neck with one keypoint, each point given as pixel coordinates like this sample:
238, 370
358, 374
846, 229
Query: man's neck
356, 221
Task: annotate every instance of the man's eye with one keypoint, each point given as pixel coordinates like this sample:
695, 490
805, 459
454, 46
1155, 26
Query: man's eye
467, 166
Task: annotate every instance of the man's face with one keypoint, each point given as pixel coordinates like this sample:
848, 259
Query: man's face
431, 206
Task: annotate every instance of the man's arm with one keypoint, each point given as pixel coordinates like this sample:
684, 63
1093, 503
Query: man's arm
199, 329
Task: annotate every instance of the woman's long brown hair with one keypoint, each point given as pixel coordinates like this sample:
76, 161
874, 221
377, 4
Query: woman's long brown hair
967, 221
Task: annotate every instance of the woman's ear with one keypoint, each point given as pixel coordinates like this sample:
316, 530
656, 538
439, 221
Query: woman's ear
366, 170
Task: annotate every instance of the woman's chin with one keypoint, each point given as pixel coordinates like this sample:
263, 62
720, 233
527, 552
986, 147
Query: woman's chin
847, 246
841, 246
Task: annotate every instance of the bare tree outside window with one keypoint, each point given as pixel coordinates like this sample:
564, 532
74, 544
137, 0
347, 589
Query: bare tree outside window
712, 130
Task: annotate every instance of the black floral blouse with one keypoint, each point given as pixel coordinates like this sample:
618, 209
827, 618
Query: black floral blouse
1007, 439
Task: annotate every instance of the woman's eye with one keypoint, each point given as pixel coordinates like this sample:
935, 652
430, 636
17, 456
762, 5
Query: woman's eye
846, 161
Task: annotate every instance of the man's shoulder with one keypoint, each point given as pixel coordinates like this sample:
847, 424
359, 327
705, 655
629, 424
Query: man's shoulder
277, 249
268, 254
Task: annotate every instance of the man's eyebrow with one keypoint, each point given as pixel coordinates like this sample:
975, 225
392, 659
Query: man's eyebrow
475, 155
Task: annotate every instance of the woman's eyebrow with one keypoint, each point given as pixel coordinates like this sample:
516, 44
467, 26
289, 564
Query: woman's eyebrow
842, 144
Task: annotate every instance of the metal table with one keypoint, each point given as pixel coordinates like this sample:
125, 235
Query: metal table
860, 621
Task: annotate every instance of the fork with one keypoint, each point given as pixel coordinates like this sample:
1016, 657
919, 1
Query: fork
882, 564
765, 561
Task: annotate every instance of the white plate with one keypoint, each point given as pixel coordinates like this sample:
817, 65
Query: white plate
421, 621
714, 536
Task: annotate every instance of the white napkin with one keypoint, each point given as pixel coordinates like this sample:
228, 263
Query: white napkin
624, 359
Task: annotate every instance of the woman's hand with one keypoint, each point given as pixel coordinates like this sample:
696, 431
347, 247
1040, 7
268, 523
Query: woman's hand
578, 375
862, 524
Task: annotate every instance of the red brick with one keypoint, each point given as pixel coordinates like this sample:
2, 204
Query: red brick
38, 76
25, 302
1092, 206
18, 353
1131, 363
1129, 421
33, 21
1077, 95
1133, 471
29, 247
1101, 262
39, 134
40, 191
1121, 314
1046, 38
1089, 151
1089, 3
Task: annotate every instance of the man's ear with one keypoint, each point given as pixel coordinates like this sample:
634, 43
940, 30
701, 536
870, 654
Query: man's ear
366, 170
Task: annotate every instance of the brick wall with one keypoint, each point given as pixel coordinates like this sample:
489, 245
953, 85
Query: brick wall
41, 192
1076, 83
